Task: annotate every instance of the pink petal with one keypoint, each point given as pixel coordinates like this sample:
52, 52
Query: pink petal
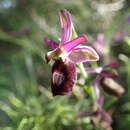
83, 54
66, 25
68, 46
51, 43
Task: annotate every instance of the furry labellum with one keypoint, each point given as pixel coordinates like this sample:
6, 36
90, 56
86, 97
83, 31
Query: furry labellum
63, 77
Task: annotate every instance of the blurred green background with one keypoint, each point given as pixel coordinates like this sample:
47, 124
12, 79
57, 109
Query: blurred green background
26, 102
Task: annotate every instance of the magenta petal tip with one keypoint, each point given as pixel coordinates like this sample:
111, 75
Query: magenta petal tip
69, 46
85, 37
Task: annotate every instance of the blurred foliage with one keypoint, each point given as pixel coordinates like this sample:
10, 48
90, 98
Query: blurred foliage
26, 102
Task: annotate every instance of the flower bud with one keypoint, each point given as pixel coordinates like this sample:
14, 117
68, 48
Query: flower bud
112, 87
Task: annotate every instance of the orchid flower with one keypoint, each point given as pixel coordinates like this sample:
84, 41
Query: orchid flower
104, 79
66, 54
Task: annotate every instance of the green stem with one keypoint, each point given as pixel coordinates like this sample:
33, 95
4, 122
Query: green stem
82, 70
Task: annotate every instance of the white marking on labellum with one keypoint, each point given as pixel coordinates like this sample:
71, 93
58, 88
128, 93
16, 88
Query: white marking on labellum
57, 78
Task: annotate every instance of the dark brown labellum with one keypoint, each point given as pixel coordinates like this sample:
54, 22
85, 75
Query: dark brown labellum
63, 77
112, 87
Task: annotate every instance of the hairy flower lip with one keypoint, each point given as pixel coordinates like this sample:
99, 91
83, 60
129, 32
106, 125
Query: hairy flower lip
63, 77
